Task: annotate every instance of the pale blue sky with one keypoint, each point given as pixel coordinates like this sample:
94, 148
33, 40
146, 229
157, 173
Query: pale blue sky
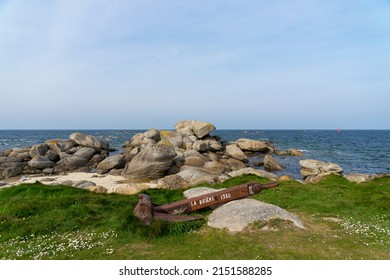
292, 64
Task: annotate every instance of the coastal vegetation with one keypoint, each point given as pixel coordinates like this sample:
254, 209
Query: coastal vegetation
343, 220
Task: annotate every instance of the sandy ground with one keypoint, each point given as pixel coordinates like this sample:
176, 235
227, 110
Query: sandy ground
112, 183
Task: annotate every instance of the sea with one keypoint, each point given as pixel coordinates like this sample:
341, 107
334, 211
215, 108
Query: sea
356, 151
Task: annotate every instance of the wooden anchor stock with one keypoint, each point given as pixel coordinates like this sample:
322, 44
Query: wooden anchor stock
146, 211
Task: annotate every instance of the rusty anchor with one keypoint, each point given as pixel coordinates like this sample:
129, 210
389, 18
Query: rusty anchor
146, 211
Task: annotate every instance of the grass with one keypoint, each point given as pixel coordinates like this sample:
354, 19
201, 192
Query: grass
343, 220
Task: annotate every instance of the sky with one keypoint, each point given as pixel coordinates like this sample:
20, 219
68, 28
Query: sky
137, 64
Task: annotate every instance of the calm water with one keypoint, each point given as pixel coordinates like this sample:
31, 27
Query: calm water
364, 151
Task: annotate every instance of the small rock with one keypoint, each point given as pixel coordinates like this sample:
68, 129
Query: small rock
295, 152
250, 170
285, 178
271, 164
358, 178
48, 179
281, 153
84, 185
258, 163
2, 183
96, 189
215, 167
233, 164
68, 183
172, 182
194, 161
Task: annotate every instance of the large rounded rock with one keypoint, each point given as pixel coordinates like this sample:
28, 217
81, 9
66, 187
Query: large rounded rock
22, 154
201, 129
88, 141
172, 138
271, 164
151, 163
11, 169
311, 167
191, 173
236, 152
70, 163
215, 167
238, 214
255, 145
40, 162
117, 161
85, 152
184, 124
172, 182
39, 150
197, 128
194, 161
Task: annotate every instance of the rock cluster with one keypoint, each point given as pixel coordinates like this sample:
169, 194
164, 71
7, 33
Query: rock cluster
314, 170
79, 153
185, 156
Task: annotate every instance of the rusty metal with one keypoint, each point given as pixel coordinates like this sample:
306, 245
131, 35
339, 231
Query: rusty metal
146, 211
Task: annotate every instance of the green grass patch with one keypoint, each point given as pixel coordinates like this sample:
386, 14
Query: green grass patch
343, 220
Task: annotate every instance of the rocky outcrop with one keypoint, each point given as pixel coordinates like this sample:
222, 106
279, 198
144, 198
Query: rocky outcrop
198, 156
310, 169
54, 156
188, 155
238, 214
